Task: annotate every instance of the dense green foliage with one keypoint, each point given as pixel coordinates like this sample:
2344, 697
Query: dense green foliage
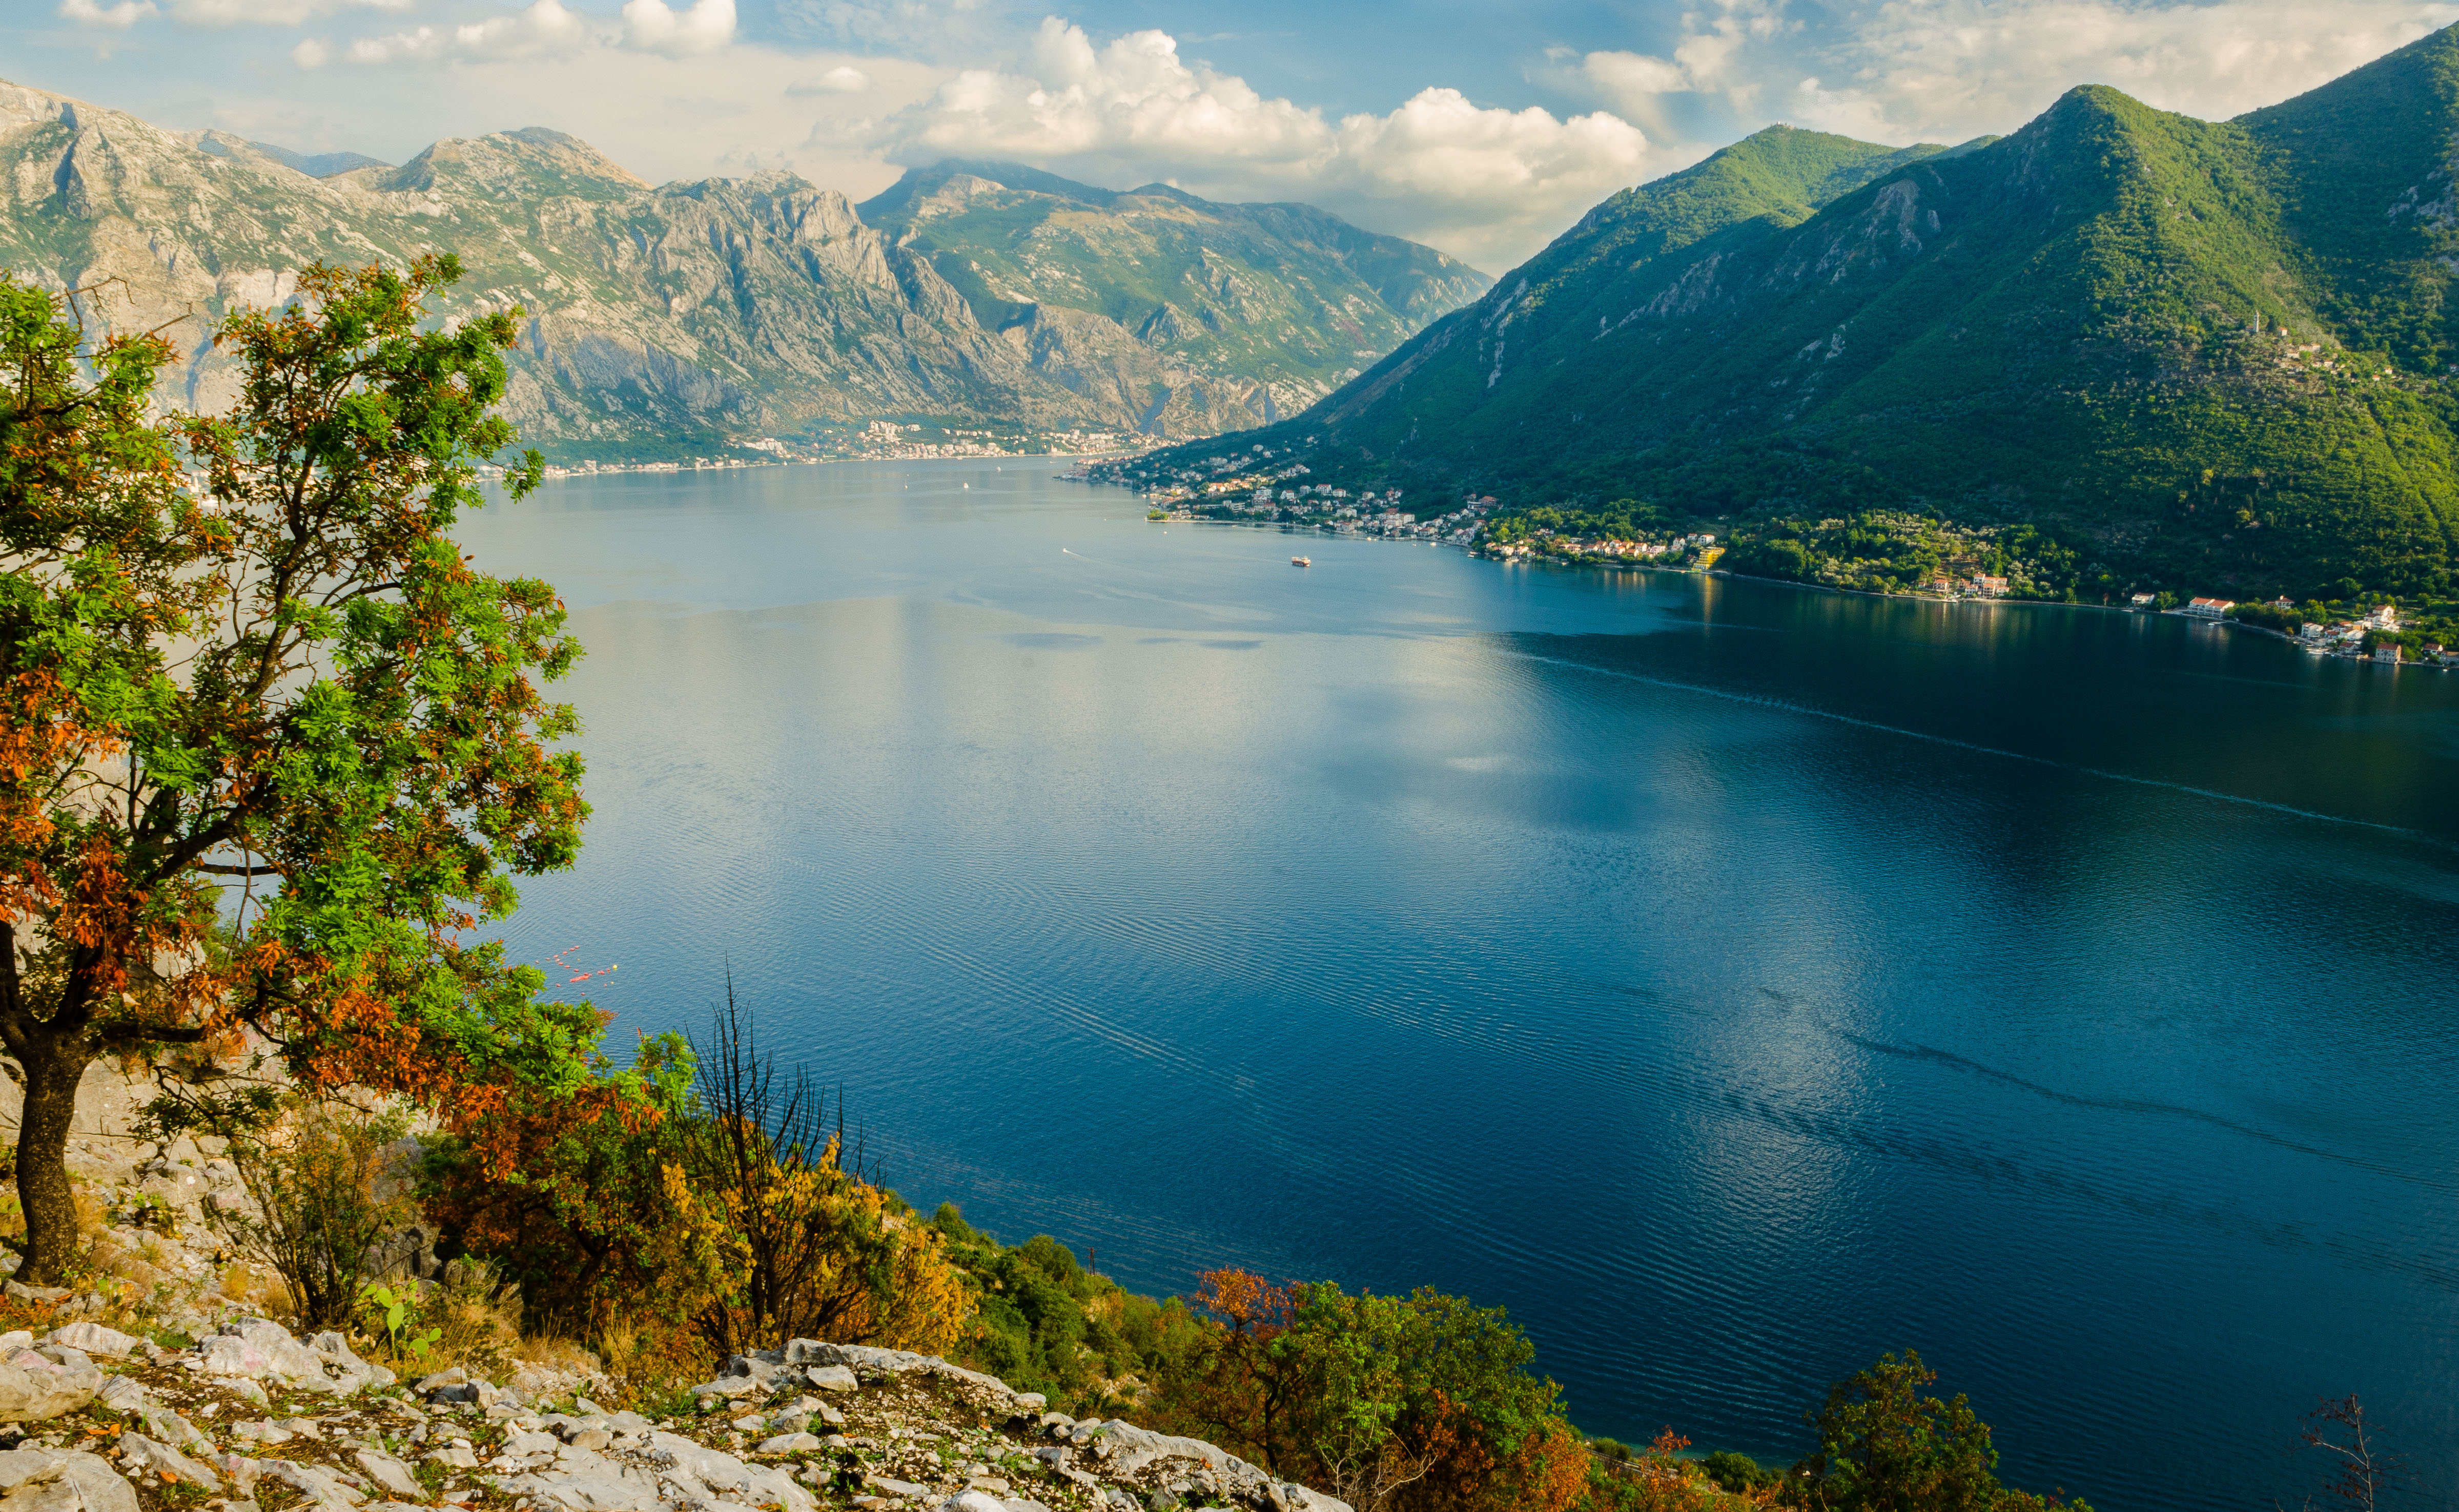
2206, 357
1045, 1323
1737, 1472
243, 648
1623, 519
1886, 550
1885, 1447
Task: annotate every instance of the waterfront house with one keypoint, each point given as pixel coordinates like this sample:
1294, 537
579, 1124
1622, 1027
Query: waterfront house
2387, 651
2210, 608
1988, 587
2144, 600
2309, 631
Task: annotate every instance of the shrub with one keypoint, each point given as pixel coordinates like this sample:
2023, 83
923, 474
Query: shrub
1658, 1480
471, 1317
557, 1181
689, 1207
1397, 1403
1737, 1472
317, 1173
777, 1227
1045, 1323
1884, 1448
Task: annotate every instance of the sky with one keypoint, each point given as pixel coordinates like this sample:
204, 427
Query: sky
1480, 129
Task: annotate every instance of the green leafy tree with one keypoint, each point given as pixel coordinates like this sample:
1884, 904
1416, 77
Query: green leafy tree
244, 652
1884, 1446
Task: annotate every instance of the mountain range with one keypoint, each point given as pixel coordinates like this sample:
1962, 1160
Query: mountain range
2205, 354
674, 319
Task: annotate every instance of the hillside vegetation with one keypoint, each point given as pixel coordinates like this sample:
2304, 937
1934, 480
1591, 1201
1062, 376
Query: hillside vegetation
2213, 356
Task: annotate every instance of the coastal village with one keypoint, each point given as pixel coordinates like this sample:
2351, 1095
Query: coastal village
2377, 633
1888, 553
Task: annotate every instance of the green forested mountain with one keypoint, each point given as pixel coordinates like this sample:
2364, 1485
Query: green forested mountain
2201, 354
676, 318
1283, 293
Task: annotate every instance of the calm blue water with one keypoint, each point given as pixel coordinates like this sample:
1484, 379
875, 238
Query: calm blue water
1734, 981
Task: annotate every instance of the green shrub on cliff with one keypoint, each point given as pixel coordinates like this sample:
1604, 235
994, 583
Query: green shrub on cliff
1044, 1322
1885, 1447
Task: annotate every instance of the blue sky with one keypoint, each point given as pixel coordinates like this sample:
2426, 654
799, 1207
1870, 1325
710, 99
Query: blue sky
1482, 129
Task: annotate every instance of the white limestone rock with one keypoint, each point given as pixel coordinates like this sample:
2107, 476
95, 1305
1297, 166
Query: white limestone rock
62, 1480
140, 1452
35, 1384
95, 1339
390, 1473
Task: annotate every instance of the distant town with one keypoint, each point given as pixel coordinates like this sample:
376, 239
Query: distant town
873, 441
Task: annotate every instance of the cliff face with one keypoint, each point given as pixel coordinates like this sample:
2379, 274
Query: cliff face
667, 316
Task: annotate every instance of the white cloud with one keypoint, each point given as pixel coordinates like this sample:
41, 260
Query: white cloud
673, 88
120, 16
270, 12
843, 79
1485, 184
653, 26
544, 27
1902, 70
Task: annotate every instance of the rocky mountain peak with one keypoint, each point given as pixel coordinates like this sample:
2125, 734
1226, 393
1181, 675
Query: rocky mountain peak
530, 160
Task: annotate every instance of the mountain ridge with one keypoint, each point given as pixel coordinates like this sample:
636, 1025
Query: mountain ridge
1189, 276
661, 319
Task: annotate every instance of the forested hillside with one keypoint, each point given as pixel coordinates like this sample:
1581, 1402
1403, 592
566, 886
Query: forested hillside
2201, 354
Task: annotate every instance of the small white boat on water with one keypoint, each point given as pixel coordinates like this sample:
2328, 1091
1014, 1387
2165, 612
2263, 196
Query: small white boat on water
1301, 561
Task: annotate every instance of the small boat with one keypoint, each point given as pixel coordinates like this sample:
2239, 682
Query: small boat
1301, 561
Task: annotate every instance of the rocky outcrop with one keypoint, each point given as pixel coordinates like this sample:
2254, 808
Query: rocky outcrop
260, 1349
806, 1426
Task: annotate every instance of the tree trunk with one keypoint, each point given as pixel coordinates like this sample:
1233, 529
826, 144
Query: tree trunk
52, 1071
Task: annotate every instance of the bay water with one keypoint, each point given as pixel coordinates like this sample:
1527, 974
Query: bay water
1735, 982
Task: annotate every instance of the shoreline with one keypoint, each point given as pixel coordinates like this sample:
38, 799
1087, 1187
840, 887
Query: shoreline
1473, 551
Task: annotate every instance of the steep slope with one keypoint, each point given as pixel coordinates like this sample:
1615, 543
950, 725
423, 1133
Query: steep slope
1283, 293
2209, 354
1552, 309
662, 319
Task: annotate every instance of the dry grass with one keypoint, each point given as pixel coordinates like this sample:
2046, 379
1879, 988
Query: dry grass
646, 1358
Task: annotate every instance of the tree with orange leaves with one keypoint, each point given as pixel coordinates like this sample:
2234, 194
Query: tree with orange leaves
269, 743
